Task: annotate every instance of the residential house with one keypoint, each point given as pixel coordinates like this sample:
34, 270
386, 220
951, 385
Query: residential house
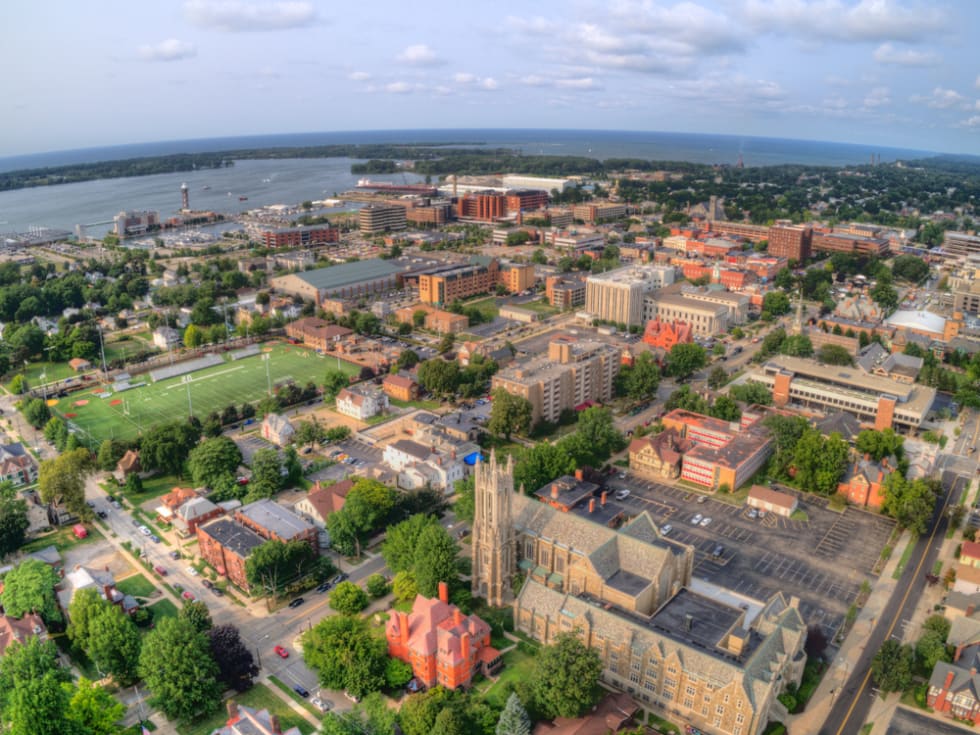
17, 465
322, 500
226, 545
666, 334
361, 402
400, 387
272, 521
442, 468
103, 580
863, 483
244, 720
277, 429
192, 514
317, 333
170, 502
20, 630
442, 645
128, 464
659, 455
79, 364
166, 338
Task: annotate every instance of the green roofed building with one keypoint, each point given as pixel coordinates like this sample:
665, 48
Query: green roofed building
348, 280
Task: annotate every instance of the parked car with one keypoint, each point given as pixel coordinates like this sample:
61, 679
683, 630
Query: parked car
622, 494
297, 602
281, 652
324, 587
321, 704
666, 529
702, 498
101, 514
160, 570
706, 521
174, 554
154, 538
753, 513
116, 504
337, 579
208, 584
192, 571
188, 595
217, 591
301, 691
145, 531
697, 519
718, 551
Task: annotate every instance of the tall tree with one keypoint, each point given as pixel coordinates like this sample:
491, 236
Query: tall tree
346, 654
348, 598
910, 502
276, 564
565, 678
402, 541
892, 665
541, 464
213, 461
880, 444
36, 412
84, 608
29, 587
368, 504
165, 447
197, 614
13, 519
236, 666
595, 439
62, 480
33, 698
94, 710
819, 461
177, 667
508, 414
267, 476
513, 719
114, 644
436, 560
685, 359
334, 382
420, 711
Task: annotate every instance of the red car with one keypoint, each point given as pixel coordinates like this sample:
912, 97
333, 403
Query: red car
188, 595
281, 652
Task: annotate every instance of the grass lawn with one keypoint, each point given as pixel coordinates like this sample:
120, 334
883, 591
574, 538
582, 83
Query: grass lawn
163, 609
62, 538
259, 697
517, 666
906, 555
212, 389
136, 585
153, 487
52, 371
488, 307
125, 348
427, 405
541, 306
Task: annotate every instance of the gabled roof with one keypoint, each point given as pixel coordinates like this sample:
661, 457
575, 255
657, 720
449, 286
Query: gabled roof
278, 423
329, 499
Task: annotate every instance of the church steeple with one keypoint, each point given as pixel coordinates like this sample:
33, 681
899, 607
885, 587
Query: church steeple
493, 531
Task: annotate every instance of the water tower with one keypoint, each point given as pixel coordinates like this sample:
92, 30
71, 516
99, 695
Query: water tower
185, 198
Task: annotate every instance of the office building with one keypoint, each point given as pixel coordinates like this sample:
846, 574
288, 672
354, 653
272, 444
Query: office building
790, 241
565, 292
516, 277
525, 200
841, 242
617, 295
129, 223
573, 373
375, 218
316, 333
485, 206
598, 212
455, 282
960, 244
295, 237
523, 181
878, 402
715, 659
706, 318
737, 304
432, 214
755, 233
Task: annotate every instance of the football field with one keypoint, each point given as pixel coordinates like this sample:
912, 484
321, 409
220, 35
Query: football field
123, 415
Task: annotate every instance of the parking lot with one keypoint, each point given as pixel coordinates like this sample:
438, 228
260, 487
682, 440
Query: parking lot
361, 452
823, 560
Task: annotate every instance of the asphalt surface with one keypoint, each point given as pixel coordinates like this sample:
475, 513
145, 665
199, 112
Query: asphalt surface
909, 722
857, 694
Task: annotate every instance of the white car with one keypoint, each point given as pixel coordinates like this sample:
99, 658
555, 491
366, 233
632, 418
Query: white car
666, 529
697, 519
622, 494
192, 571
145, 531
320, 704
705, 521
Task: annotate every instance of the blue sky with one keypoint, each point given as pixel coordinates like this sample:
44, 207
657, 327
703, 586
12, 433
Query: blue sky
892, 72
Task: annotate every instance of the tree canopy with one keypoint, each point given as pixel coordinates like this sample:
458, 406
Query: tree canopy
685, 359
275, 565
236, 666
910, 502
214, 462
346, 654
509, 413
62, 480
565, 677
165, 447
29, 587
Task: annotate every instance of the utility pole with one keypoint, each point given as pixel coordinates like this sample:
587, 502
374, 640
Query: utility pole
190, 406
268, 376
105, 370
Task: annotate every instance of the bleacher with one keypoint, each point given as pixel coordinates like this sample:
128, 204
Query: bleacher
249, 351
183, 368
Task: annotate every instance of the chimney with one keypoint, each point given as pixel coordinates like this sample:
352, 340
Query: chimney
465, 641
457, 617
554, 491
591, 505
452, 454
949, 680
688, 621
403, 630
602, 498
232, 706
274, 724
444, 592
579, 475
867, 457
970, 609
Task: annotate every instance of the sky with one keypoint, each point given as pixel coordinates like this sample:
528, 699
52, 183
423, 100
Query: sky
900, 73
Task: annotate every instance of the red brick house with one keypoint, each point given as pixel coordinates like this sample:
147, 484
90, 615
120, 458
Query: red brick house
20, 630
226, 545
443, 646
667, 334
862, 485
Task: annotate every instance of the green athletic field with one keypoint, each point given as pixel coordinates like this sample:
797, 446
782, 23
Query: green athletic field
211, 389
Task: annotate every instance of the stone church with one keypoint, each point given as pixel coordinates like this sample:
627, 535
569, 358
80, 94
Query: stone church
683, 648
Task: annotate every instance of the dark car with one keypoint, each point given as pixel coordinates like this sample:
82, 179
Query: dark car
217, 591
101, 514
325, 587
174, 554
301, 691
296, 603
207, 583
337, 579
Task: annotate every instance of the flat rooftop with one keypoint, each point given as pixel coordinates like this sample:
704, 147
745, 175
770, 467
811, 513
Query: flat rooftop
851, 377
346, 274
710, 621
632, 274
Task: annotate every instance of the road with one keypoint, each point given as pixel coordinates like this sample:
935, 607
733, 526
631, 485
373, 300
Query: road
856, 696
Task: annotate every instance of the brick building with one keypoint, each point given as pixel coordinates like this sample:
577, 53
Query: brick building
565, 292
443, 646
271, 521
517, 277
665, 334
791, 241
295, 237
375, 218
226, 545
400, 387
316, 333
457, 282
839, 242
863, 483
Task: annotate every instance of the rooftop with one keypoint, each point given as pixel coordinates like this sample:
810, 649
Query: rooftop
697, 620
233, 536
270, 515
338, 276
924, 321
632, 274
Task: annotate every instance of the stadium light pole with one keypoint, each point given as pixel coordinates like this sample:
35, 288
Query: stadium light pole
190, 406
268, 376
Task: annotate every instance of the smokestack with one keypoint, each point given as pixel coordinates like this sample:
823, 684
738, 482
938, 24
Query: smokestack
688, 621
591, 505
602, 498
554, 491
444, 592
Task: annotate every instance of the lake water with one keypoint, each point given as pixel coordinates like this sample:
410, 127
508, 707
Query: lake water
294, 180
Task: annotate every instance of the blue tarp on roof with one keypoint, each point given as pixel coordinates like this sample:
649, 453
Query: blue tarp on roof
472, 459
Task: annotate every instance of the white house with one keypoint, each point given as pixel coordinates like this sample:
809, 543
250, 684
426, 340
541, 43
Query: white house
277, 429
166, 337
361, 403
418, 465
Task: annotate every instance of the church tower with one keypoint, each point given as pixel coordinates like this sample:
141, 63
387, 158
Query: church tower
493, 531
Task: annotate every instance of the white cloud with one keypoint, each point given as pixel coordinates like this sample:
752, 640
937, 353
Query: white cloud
359, 76
941, 99
877, 97
537, 26
398, 87
419, 55
972, 122
464, 78
234, 16
442, 90
489, 84
583, 83
886, 53
866, 20
977, 83
170, 50
688, 22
